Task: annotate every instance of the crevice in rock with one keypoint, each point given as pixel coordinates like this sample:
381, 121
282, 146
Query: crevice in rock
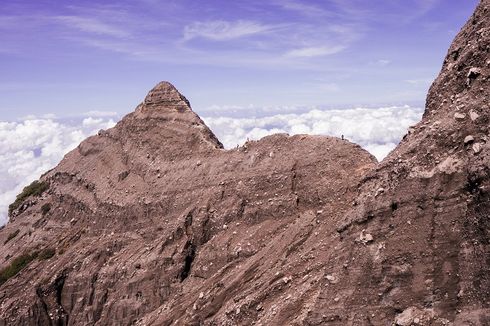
394, 206
293, 178
51, 299
40, 295
100, 306
188, 223
206, 227
92, 286
241, 209
190, 254
58, 287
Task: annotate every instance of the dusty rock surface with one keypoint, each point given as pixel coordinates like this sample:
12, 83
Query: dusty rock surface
153, 223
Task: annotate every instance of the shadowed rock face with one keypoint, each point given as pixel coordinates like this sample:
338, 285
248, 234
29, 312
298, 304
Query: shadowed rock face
153, 223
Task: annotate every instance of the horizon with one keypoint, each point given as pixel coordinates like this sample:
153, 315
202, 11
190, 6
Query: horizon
249, 70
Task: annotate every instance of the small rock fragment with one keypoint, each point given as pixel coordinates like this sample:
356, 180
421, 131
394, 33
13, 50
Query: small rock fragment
406, 317
474, 72
469, 139
332, 278
474, 115
459, 116
365, 237
477, 148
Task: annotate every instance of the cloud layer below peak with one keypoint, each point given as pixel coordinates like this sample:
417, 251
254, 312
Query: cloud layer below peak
31, 147
378, 130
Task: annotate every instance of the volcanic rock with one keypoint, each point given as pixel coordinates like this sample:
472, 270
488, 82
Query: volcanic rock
153, 219
152, 222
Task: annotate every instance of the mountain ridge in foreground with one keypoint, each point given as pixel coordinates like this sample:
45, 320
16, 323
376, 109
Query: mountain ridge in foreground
152, 222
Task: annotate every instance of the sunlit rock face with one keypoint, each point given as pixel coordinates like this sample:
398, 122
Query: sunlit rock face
152, 222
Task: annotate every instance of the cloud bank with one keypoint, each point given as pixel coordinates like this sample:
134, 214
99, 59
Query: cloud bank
31, 147
378, 130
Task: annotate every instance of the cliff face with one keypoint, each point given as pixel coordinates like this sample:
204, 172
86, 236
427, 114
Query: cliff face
154, 223
150, 214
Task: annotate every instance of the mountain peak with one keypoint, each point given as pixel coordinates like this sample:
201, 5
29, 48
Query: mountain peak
165, 94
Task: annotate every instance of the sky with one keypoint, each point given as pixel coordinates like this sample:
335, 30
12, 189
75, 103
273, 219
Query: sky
249, 68
70, 57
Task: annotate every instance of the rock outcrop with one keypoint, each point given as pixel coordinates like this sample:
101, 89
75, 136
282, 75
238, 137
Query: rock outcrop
153, 223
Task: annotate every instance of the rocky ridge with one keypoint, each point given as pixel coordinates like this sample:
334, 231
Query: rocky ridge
153, 223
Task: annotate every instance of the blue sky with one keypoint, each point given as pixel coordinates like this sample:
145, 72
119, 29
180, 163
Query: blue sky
70, 57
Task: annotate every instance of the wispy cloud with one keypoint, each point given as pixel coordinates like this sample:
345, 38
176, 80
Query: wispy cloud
220, 30
92, 25
424, 6
400, 12
382, 62
132, 49
266, 42
303, 8
309, 52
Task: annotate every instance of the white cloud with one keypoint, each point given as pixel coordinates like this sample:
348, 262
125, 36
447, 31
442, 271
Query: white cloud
302, 8
220, 30
424, 6
383, 62
309, 52
31, 147
377, 130
92, 25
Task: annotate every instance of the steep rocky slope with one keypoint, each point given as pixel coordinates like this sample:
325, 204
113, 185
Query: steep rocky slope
153, 212
154, 223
